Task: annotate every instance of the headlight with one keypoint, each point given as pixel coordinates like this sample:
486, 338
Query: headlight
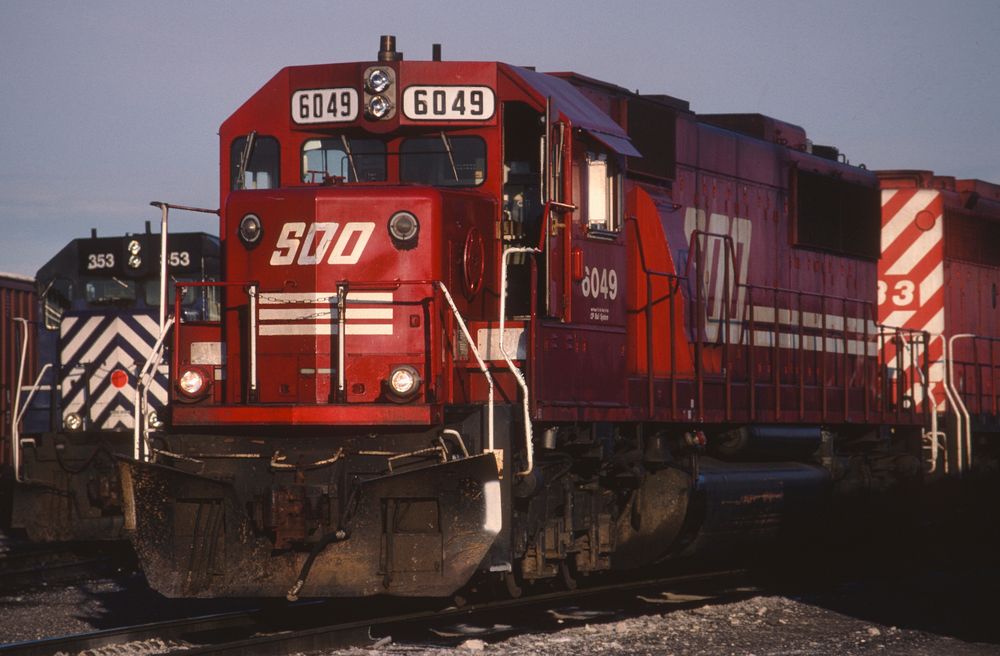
153, 420
192, 383
403, 226
404, 381
134, 247
250, 229
73, 422
134, 261
378, 80
378, 106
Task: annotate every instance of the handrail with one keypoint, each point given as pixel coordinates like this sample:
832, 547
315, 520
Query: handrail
252, 294
961, 412
529, 445
15, 444
142, 383
164, 211
479, 360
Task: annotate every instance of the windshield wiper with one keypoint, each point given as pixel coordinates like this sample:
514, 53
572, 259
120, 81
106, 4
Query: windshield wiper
350, 155
451, 156
241, 170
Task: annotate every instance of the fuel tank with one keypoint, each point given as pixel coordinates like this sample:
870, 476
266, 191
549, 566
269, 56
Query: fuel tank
748, 503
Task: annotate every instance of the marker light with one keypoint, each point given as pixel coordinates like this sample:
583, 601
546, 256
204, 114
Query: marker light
250, 229
73, 422
192, 383
378, 80
134, 261
404, 381
379, 106
403, 226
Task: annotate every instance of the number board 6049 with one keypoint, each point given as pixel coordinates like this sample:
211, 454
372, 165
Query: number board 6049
324, 105
440, 103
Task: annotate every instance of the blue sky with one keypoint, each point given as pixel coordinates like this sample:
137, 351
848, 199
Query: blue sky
106, 106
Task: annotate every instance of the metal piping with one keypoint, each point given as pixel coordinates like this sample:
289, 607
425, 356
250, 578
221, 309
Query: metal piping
529, 446
479, 360
458, 436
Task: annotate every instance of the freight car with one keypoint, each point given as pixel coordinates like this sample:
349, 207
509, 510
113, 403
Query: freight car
483, 322
17, 299
98, 303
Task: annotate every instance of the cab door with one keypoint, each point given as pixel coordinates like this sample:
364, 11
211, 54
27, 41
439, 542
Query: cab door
582, 342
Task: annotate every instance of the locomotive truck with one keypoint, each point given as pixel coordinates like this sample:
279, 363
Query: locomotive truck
481, 322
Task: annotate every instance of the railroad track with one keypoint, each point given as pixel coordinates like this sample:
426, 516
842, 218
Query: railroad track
30, 565
306, 627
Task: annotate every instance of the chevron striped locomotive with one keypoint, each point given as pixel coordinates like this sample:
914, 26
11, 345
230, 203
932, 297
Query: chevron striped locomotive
101, 357
484, 325
99, 306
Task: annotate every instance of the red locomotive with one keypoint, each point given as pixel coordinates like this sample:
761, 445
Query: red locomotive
482, 321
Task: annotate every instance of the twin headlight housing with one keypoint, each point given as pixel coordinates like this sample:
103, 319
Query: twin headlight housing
380, 82
134, 258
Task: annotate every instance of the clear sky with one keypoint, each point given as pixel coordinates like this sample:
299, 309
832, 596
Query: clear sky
105, 106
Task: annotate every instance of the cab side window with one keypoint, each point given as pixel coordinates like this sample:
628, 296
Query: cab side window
603, 193
253, 162
56, 301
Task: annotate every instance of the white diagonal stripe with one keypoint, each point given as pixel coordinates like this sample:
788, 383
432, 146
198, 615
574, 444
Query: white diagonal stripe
928, 240
69, 350
905, 215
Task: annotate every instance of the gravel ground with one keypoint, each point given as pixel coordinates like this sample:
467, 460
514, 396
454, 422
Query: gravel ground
920, 594
760, 626
764, 625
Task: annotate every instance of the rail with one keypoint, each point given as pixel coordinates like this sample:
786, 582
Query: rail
978, 374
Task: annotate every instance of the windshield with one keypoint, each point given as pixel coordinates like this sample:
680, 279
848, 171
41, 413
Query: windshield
443, 161
210, 310
331, 158
110, 291
439, 160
